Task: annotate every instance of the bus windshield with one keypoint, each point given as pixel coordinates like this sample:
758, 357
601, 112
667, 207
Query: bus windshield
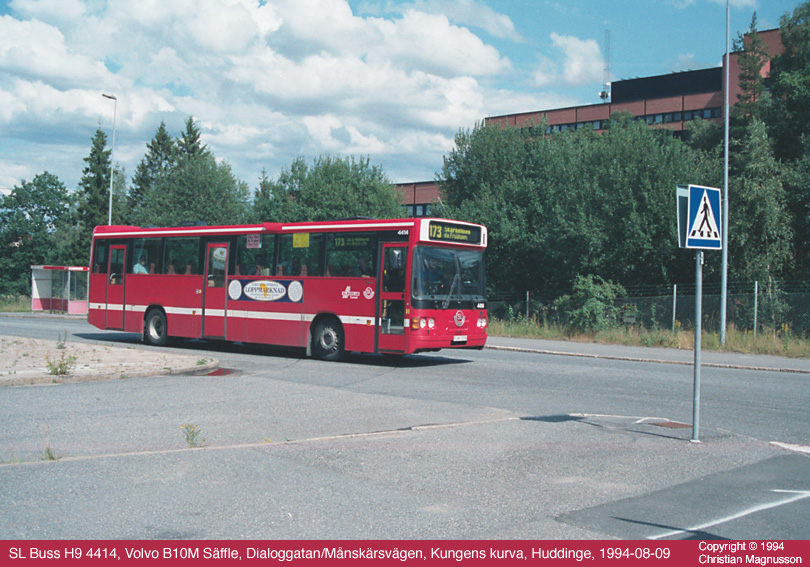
447, 274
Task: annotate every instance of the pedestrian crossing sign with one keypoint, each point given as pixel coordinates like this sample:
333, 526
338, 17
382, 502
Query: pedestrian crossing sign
703, 227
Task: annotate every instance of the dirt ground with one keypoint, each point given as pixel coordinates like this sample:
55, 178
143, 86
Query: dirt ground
31, 361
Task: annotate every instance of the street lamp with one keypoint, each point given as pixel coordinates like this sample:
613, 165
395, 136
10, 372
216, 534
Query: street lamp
112, 153
724, 236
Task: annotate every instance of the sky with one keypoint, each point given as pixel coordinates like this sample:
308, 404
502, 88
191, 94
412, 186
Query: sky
269, 81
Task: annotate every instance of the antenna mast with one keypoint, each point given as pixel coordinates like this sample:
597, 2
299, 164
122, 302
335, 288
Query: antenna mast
605, 94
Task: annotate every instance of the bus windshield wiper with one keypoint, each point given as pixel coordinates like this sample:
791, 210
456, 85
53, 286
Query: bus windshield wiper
456, 279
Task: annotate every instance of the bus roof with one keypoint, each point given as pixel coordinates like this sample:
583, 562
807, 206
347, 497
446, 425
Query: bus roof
421, 224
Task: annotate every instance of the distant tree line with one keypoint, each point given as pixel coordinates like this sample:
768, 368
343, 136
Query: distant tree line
178, 179
561, 209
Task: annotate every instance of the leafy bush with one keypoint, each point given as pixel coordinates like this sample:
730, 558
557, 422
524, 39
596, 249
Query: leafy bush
591, 306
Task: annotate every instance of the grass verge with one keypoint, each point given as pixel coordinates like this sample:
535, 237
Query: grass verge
765, 342
14, 303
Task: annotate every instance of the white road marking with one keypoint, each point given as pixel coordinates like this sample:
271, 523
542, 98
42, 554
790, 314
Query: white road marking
796, 496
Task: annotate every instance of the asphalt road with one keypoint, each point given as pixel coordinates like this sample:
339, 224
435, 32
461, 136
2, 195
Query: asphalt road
453, 445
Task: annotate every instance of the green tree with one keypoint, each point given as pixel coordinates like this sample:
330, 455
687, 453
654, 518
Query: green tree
753, 55
331, 188
180, 180
788, 113
197, 189
797, 188
760, 234
29, 220
484, 179
154, 168
190, 141
706, 136
263, 202
92, 207
575, 203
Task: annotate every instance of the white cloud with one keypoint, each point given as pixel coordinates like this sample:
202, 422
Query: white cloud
430, 43
37, 50
266, 81
686, 62
582, 62
471, 13
11, 175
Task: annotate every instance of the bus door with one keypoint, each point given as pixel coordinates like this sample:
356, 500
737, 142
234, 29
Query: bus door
391, 307
116, 276
214, 302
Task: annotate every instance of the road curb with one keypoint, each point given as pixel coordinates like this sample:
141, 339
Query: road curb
96, 376
650, 360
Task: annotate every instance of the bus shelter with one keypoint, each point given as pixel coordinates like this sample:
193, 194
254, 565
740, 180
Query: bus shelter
59, 289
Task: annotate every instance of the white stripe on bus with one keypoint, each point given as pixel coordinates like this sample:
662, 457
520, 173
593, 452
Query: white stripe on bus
239, 314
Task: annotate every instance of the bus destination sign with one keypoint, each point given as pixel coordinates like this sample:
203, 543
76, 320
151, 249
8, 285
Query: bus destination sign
449, 232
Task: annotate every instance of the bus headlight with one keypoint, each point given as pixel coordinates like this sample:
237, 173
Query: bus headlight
482, 322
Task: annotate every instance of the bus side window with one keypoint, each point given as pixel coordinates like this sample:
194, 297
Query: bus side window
300, 255
182, 256
100, 258
147, 256
351, 254
254, 255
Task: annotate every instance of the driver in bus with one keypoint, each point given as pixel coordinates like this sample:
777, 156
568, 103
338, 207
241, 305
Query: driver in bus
140, 267
433, 271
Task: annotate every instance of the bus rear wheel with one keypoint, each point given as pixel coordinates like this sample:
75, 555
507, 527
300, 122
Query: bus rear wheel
155, 328
327, 340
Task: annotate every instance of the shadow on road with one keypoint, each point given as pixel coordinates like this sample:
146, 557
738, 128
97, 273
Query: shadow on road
386, 361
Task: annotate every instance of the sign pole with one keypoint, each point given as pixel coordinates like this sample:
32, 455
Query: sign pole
700, 227
698, 333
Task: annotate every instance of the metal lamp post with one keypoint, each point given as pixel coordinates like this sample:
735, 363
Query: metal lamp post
724, 268
112, 153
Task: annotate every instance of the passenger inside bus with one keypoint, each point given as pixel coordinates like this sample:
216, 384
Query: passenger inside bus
362, 269
295, 269
140, 267
259, 268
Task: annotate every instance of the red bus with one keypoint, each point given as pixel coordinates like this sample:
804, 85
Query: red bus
374, 286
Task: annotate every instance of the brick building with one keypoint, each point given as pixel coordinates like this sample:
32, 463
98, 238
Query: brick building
663, 101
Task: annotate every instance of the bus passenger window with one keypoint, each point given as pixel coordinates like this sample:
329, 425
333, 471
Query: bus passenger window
100, 258
254, 254
300, 255
350, 254
183, 256
147, 255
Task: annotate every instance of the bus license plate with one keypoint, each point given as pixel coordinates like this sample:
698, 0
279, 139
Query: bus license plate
460, 339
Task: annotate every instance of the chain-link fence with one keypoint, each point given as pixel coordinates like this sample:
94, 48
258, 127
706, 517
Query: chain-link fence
754, 306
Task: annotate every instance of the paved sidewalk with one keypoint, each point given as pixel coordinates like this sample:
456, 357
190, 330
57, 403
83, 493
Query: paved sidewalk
661, 355
25, 361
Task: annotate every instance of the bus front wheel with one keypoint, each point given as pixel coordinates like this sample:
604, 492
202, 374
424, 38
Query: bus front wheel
327, 340
155, 329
